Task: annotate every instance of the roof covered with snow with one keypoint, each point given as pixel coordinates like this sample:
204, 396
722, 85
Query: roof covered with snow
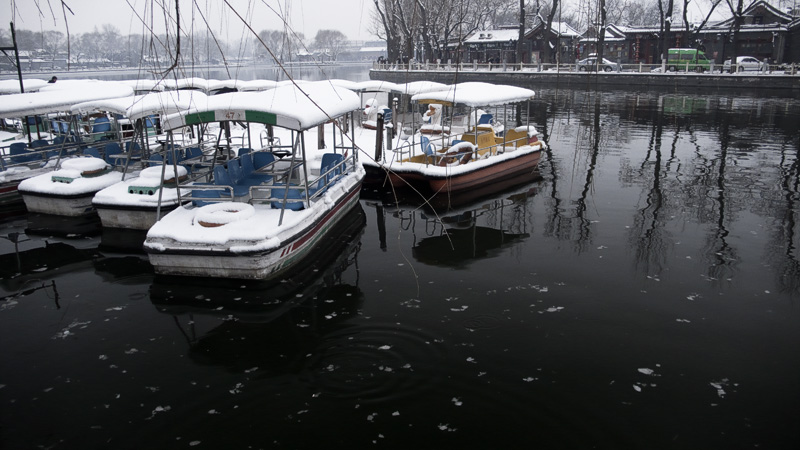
294, 107
12, 86
51, 99
476, 94
492, 36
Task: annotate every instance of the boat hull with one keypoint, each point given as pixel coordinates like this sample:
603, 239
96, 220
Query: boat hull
456, 182
71, 206
255, 265
130, 218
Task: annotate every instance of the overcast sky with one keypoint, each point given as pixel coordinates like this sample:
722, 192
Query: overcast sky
351, 17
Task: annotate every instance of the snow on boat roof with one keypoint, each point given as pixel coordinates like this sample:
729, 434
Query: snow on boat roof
475, 94
376, 86
144, 85
221, 84
57, 100
12, 86
257, 85
136, 107
347, 84
419, 87
191, 83
293, 107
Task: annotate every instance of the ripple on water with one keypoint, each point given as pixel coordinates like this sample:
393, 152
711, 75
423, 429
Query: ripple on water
482, 322
378, 362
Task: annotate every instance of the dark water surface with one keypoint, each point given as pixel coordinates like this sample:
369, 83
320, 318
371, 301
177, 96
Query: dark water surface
641, 294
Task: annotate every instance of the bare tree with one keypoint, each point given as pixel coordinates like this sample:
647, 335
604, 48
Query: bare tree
331, 42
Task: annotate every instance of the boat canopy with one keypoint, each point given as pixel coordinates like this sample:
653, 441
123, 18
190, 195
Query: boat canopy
376, 86
293, 107
419, 87
257, 85
56, 100
12, 86
136, 107
144, 85
475, 94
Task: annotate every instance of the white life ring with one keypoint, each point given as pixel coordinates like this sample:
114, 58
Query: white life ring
219, 214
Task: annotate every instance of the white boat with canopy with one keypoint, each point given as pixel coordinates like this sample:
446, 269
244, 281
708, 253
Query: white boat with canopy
263, 214
462, 147
133, 203
49, 133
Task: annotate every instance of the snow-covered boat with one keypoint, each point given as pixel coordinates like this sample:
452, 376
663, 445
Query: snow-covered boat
46, 116
263, 214
463, 151
140, 196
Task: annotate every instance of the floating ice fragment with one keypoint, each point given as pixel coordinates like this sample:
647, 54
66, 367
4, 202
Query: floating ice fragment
396, 413
384, 347
683, 320
131, 351
637, 388
213, 411
115, 308
250, 370
529, 379
471, 359
554, 309
456, 401
193, 443
102, 357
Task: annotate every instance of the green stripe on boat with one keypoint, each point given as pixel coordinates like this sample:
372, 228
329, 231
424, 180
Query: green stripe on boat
261, 117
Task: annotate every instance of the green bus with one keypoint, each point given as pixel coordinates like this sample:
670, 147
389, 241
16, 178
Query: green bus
687, 59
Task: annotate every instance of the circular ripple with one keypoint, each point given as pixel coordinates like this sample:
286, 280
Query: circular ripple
373, 363
482, 322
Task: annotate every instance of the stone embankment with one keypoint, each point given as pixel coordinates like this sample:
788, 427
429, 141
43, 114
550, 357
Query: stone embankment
775, 83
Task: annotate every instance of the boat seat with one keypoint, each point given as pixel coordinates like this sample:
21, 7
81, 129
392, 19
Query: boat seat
249, 173
330, 161
239, 175
261, 159
113, 148
243, 151
277, 194
92, 151
204, 193
223, 178
20, 153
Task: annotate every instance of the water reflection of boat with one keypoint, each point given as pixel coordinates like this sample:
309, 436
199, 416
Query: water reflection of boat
256, 300
456, 236
62, 226
21, 267
270, 325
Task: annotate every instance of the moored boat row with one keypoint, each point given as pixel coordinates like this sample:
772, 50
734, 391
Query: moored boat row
245, 184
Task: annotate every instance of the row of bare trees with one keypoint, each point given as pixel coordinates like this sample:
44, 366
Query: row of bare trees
433, 29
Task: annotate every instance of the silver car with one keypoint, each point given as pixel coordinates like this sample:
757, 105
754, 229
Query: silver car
589, 64
743, 63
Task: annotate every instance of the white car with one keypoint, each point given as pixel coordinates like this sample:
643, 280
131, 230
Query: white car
744, 63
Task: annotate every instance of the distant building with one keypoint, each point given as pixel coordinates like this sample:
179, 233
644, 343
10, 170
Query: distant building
494, 46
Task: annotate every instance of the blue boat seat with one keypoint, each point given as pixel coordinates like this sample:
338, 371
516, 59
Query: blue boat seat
205, 193
243, 151
249, 173
261, 159
291, 198
223, 178
91, 151
20, 153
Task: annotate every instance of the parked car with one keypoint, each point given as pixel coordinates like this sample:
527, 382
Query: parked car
745, 63
589, 64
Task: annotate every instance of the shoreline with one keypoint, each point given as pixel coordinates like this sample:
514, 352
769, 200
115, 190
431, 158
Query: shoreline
769, 84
